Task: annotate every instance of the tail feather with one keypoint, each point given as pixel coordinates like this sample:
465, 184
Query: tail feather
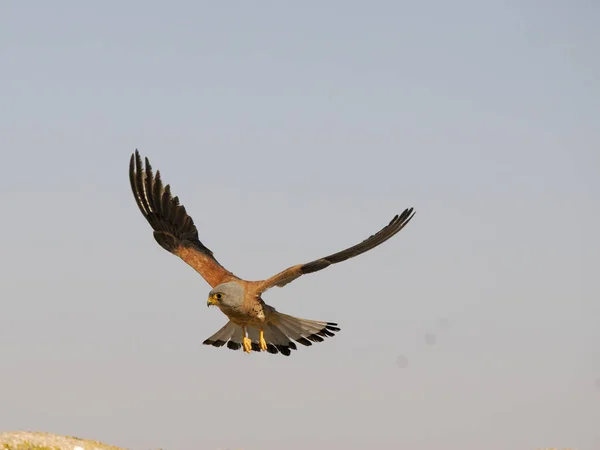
289, 331
221, 337
279, 334
236, 339
254, 336
279, 339
304, 331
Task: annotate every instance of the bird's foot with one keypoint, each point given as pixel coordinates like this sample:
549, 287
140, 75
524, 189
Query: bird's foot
263, 343
247, 344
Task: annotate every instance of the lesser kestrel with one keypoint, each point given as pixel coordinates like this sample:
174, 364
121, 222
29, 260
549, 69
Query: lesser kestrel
253, 325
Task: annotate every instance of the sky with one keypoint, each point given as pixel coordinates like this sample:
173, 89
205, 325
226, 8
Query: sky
291, 130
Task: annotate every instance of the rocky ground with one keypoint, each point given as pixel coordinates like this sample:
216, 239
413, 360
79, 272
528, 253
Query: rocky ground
26, 440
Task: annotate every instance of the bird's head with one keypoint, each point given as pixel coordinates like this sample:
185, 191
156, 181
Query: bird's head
226, 296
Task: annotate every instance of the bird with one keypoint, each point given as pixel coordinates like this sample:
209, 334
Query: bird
253, 325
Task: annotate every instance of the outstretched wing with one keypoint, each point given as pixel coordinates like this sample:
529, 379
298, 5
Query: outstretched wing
174, 229
291, 273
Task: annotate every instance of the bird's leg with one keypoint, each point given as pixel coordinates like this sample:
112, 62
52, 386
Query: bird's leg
246, 342
263, 343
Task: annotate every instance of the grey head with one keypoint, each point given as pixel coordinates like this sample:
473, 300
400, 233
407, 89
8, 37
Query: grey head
228, 295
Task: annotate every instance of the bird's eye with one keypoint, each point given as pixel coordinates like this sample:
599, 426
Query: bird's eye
219, 296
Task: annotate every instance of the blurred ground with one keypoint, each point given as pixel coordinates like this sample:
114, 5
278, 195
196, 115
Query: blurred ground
26, 440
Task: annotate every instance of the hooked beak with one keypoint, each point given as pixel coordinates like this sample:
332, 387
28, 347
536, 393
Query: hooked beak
211, 301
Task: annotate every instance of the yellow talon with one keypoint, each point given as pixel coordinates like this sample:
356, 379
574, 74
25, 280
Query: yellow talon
247, 343
263, 343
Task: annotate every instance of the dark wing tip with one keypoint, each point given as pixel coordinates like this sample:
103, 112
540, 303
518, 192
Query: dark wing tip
162, 210
407, 215
393, 227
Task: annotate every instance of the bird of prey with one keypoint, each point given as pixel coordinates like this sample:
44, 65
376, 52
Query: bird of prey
253, 325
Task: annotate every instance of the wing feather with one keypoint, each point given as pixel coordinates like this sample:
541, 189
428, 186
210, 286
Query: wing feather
290, 274
174, 229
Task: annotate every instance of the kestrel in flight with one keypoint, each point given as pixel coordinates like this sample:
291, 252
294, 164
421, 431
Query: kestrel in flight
253, 325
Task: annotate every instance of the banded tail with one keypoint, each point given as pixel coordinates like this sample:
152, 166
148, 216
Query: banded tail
280, 334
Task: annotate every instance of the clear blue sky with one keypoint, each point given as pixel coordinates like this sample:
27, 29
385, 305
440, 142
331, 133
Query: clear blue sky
290, 130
